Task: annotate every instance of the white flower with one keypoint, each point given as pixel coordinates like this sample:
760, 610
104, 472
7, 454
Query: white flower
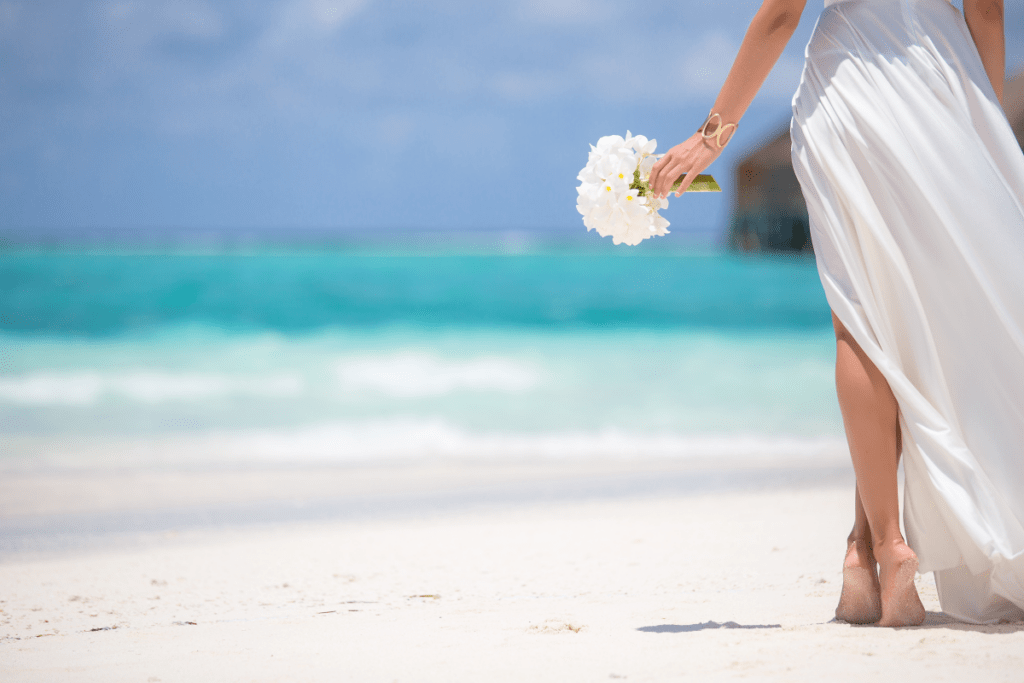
593, 198
643, 146
621, 175
611, 199
608, 142
658, 225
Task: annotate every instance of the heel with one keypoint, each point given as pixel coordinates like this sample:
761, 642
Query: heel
903, 605
860, 601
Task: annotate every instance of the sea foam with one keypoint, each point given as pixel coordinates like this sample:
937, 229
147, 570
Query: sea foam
87, 387
396, 440
413, 374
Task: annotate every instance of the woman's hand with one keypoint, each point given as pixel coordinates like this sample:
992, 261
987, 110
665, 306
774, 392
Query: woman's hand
689, 157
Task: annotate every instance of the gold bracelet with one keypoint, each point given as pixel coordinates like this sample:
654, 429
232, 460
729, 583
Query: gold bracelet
717, 135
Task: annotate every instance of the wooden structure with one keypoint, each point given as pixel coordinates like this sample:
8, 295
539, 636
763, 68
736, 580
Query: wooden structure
1013, 105
769, 213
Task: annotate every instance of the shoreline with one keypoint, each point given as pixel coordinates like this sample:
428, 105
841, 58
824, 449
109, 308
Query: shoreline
48, 510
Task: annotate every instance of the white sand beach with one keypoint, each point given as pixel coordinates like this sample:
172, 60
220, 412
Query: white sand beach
564, 584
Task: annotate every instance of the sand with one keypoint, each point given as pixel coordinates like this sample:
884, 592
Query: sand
581, 584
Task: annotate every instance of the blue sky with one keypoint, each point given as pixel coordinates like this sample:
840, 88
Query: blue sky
360, 114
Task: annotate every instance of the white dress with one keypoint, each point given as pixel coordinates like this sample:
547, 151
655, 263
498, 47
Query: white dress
915, 190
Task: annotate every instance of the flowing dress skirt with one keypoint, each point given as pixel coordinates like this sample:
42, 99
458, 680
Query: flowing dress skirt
914, 185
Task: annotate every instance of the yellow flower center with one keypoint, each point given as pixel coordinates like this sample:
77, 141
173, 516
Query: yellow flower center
608, 188
629, 198
621, 176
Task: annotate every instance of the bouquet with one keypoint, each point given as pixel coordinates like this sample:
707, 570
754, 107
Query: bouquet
614, 195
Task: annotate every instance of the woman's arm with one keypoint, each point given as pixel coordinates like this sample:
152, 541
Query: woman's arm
985, 19
766, 38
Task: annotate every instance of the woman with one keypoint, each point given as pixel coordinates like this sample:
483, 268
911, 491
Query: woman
914, 186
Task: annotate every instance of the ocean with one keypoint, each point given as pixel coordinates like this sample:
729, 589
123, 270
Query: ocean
332, 354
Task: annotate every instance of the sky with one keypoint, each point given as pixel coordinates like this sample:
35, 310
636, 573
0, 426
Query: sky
363, 115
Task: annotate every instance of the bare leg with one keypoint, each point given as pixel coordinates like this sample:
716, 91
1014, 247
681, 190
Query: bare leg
871, 419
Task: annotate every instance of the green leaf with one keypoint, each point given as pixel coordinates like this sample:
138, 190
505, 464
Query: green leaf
702, 183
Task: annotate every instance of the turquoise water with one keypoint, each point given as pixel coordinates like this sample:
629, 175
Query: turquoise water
337, 356
110, 294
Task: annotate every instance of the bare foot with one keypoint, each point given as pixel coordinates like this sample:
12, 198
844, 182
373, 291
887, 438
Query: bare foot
861, 600
901, 606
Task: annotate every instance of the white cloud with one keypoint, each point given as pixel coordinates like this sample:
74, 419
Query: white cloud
192, 19
145, 22
334, 13
527, 87
307, 62
565, 11
706, 64
621, 70
116, 11
300, 21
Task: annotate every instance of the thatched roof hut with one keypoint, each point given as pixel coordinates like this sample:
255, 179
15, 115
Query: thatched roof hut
769, 212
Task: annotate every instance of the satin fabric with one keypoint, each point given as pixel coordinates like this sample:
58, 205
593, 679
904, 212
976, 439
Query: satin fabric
914, 185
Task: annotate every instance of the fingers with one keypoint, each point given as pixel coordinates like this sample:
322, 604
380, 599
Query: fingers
674, 164
655, 176
670, 175
692, 170
687, 181
657, 173
652, 179
690, 157
671, 168
661, 178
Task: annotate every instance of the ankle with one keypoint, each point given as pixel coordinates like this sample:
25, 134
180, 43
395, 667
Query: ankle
859, 554
893, 549
862, 539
